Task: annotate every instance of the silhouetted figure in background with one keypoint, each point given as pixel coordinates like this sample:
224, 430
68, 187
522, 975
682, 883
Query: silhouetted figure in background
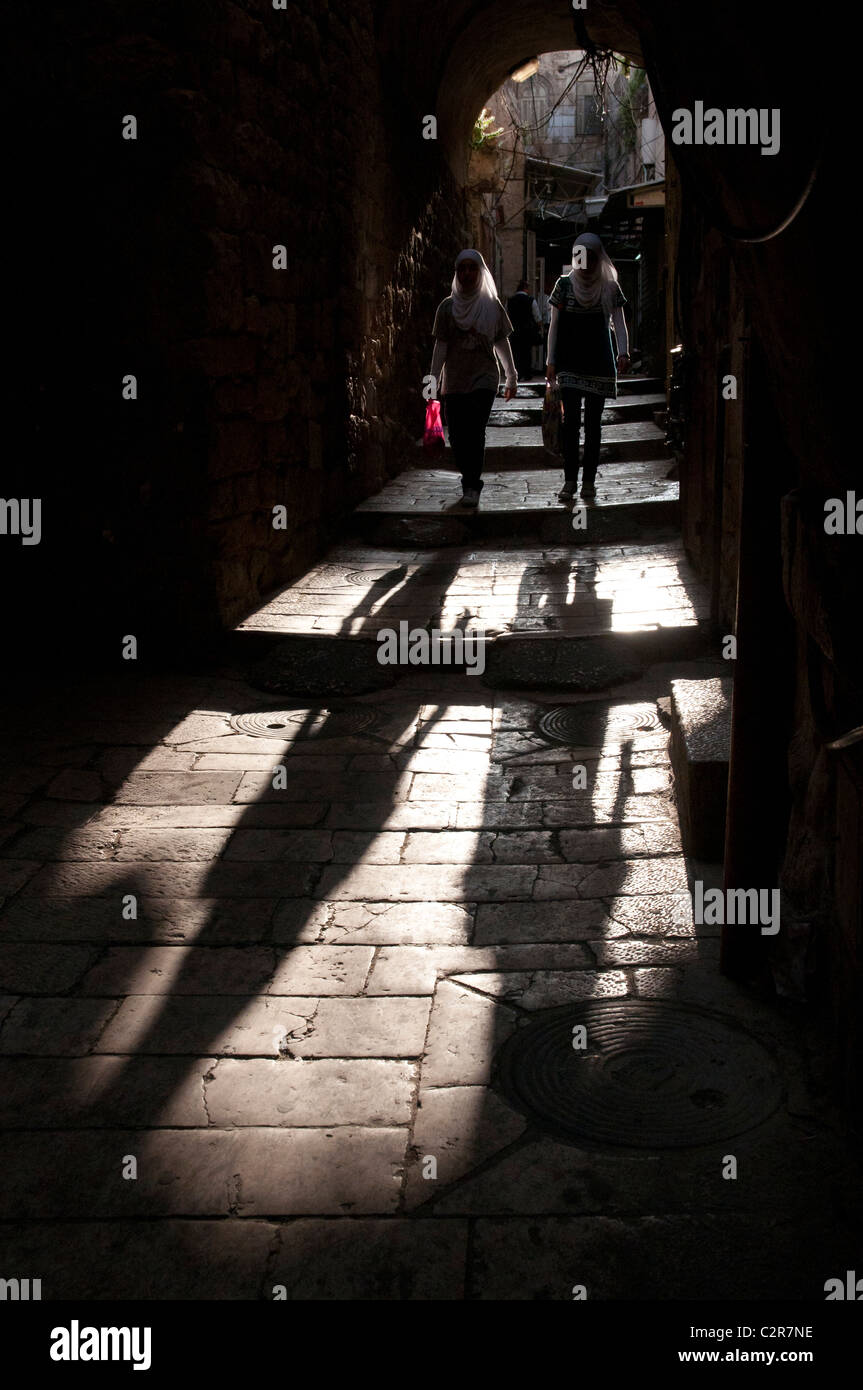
526, 323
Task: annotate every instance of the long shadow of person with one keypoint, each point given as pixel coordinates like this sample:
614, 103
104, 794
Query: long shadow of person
238, 992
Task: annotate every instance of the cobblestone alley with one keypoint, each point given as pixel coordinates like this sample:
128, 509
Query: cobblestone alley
315, 1034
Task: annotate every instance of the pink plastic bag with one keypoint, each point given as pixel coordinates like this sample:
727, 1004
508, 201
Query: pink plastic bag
433, 437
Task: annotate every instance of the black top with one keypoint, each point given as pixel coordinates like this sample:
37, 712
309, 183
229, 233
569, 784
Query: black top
583, 353
520, 310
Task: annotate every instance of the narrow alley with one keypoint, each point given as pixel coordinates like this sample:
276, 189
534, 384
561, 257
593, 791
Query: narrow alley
428, 876
330, 1017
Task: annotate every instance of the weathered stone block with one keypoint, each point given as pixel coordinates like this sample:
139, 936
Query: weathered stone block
700, 755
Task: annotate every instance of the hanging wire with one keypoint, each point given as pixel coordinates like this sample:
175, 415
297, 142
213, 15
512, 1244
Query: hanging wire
745, 236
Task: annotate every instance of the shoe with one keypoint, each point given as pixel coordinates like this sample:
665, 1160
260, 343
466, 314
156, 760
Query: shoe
588, 487
470, 497
567, 492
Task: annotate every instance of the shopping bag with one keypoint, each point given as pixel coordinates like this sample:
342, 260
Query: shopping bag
552, 422
433, 436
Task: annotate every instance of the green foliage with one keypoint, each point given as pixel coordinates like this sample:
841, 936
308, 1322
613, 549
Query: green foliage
637, 78
484, 137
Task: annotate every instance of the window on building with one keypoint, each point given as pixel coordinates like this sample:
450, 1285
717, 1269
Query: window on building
591, 116
562, 123
533, 106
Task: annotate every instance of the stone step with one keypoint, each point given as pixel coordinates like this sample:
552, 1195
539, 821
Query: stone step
325, 664
517, 445
521, 661
527, 410
538, 590
556, 616
626, 385
631, 440
423, 506
549, 524
700, 754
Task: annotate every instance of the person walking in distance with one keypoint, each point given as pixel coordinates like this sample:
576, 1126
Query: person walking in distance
471, 332
580, 356
526, 320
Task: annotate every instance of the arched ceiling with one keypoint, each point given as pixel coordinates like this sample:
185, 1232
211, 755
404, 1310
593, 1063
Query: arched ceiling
447, 59
487, 41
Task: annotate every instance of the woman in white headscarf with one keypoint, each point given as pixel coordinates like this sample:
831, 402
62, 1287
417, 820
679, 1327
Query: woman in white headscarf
471, 331
580, 354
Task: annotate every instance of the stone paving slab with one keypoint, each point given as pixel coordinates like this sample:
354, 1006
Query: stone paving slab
227, 970
257, 787
271, 1026
87, 1092
459, 1127
620, 408
413, 1260
226, 921
420, 882
652, 952
51, 814
751, 1256
567, 595
432, 490
292, 1093
545, 1176
150, 1025
546, 989
513, 923
374, 923
160, 1259
244, 880
53, 970
416, 969
159, 789
52, 1027
7, 1004
250, 1172
311, 998
466, 1029
15, 873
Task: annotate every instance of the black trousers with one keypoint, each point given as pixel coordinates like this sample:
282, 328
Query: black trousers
593, 407
522, 352
467, 415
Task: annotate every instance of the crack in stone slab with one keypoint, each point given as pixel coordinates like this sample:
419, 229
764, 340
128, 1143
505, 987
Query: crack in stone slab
208, 1075
298, 1035
235, 1197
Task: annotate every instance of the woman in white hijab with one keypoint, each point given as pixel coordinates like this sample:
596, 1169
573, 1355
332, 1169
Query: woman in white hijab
580, 354
471, 331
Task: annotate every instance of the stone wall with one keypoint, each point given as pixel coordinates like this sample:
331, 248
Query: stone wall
755, 478
256, 386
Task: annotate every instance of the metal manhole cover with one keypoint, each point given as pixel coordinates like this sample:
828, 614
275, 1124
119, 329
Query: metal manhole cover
652, 1075
596, 723
304, 723
426, 573
363, 578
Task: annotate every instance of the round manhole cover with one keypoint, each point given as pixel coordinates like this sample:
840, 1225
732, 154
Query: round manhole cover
364, 578
304, 723
596, 723
423, 575
650, 1075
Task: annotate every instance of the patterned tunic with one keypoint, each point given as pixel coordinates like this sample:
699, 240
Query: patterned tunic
584, 356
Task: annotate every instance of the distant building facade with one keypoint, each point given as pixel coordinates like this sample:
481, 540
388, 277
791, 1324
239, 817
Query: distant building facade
570, 157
